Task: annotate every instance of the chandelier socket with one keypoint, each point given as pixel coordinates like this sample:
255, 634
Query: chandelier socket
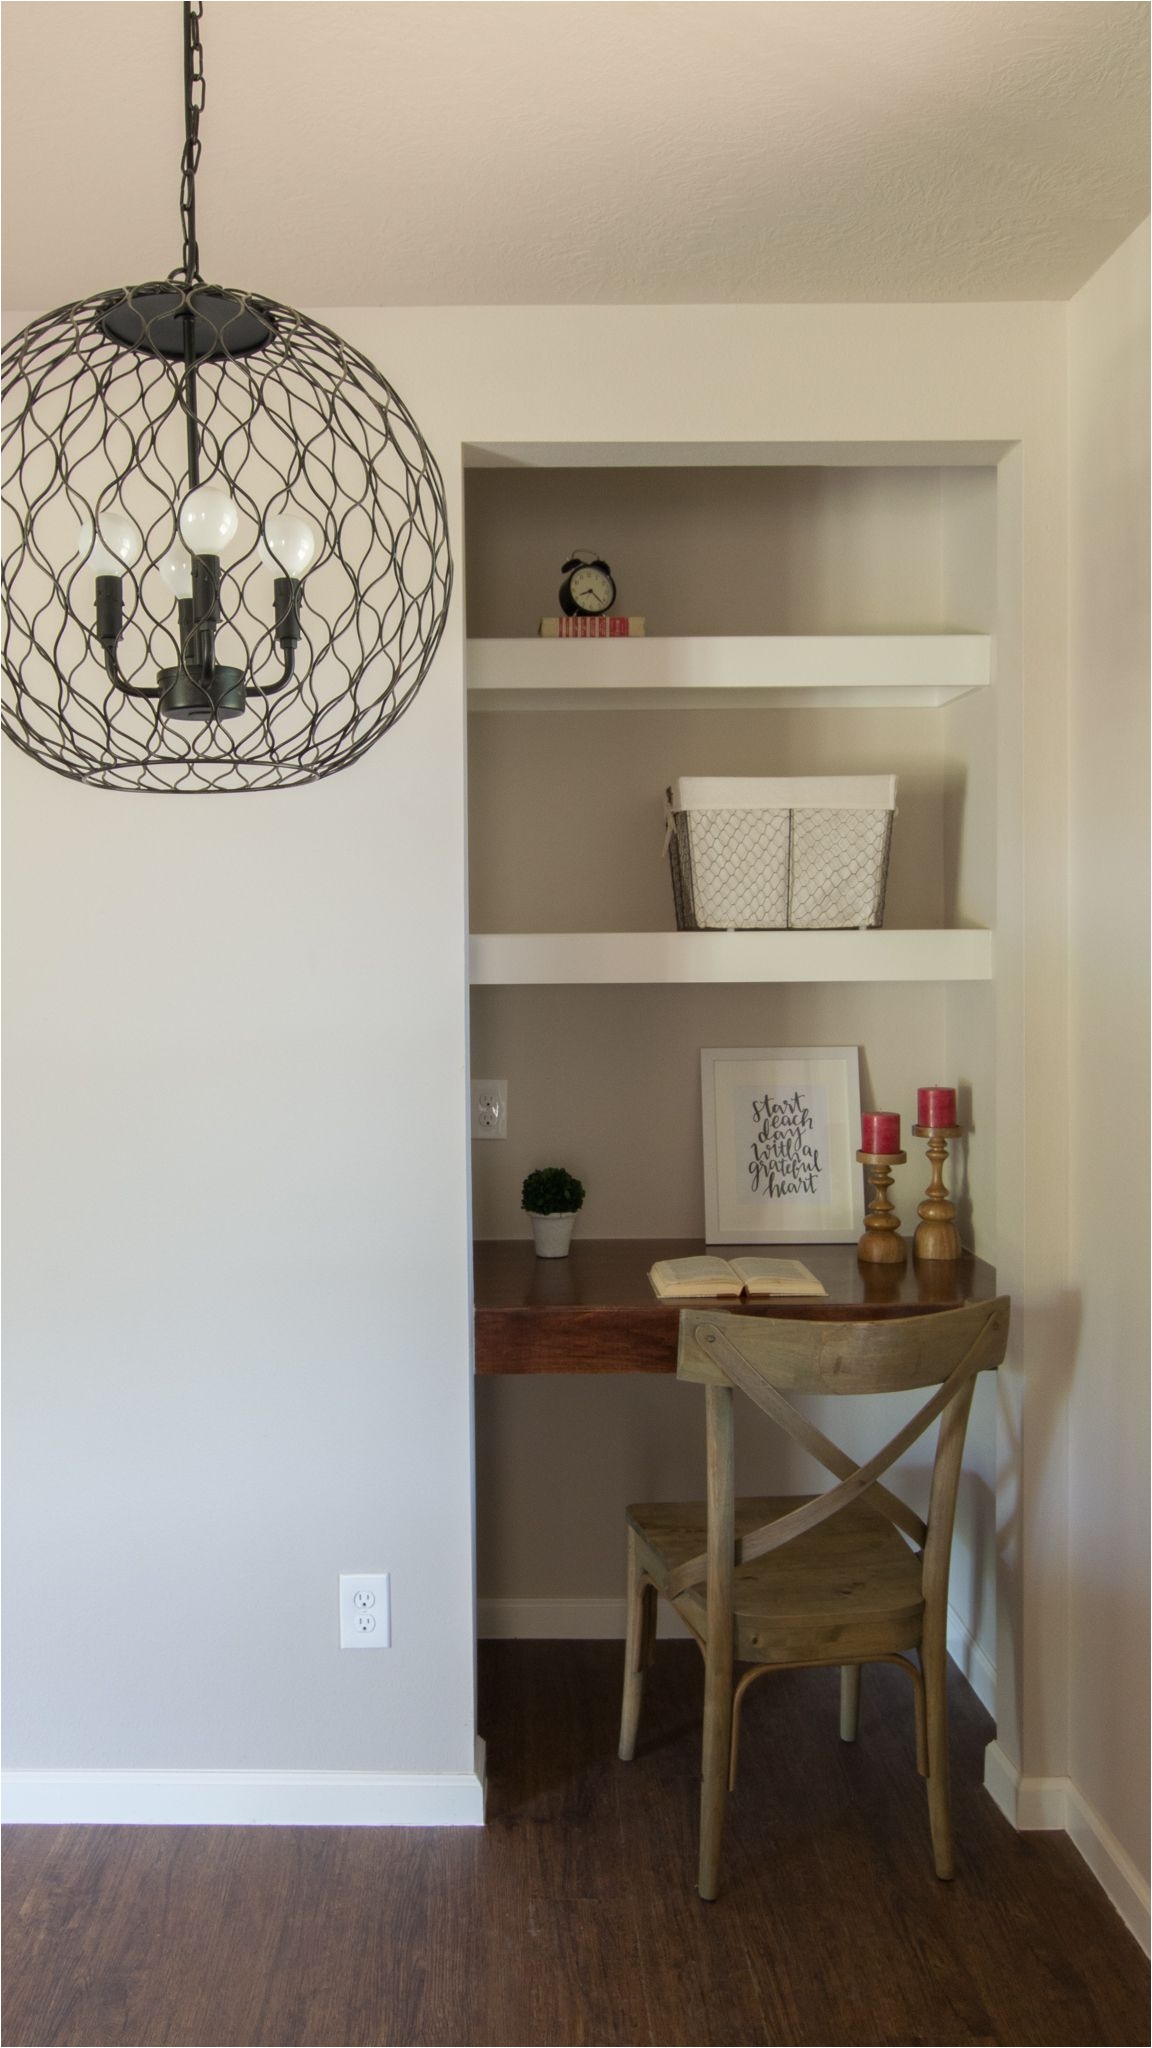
287, 593
109, 610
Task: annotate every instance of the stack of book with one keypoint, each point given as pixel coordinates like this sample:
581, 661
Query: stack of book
606, 628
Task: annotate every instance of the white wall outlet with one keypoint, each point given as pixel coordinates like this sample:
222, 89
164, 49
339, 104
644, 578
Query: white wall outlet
489, 1109
365, 1611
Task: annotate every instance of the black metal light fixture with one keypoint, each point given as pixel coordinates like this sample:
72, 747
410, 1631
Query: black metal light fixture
225, 547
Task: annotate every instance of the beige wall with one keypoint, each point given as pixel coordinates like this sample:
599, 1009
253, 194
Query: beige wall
1108, 1480
607, 1081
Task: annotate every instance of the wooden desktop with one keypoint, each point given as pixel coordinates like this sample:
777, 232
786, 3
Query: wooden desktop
595, 1311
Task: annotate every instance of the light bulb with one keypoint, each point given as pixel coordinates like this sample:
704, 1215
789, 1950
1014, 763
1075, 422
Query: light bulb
110, 549
176, 569
208, 520
289, 543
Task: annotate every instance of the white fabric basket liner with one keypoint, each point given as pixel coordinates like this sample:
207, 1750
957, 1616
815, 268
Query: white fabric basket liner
784, 793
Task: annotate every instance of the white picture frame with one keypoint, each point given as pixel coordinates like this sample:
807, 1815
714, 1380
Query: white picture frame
781, 1133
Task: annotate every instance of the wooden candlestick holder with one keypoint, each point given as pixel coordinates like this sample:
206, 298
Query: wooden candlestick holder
936, 1234
881, 1245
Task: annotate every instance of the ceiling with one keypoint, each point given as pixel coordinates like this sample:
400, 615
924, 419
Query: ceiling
422, 152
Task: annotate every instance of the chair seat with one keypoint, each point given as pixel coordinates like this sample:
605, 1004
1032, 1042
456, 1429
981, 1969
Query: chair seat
849, 1588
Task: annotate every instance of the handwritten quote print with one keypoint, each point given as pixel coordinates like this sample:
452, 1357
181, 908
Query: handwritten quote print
786, 1147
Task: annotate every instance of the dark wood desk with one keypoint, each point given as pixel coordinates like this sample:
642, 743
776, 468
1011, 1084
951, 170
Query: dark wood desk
595, 1312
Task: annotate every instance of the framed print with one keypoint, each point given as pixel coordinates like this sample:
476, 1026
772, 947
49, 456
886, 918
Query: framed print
781, 1131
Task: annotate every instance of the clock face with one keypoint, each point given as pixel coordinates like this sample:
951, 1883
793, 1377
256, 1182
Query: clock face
591, 590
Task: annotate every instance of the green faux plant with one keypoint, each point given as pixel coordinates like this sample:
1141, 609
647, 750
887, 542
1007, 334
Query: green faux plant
550, 1191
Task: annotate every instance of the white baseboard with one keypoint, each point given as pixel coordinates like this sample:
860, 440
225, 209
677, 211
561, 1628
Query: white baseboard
1002, 1782
1111, 1865
1041, 1805
1033, 1805
346, 1799
1057, 1804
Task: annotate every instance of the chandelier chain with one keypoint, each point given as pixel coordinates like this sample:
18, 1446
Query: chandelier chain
190, 160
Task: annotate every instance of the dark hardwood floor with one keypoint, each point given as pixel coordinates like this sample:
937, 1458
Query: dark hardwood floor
572, 1917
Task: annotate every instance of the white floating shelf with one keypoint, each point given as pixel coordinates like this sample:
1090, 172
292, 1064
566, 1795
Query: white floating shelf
872, 670
508, 959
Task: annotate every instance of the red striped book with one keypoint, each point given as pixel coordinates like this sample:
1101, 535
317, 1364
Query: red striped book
605, 628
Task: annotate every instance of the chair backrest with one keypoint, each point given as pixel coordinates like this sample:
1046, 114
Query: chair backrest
763, 1355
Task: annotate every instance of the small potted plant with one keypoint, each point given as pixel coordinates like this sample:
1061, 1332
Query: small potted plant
551, 1197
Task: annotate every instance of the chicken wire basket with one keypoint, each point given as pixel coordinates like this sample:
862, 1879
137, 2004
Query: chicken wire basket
799, 853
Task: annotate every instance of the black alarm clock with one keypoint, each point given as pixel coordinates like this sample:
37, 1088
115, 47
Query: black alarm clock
587, 591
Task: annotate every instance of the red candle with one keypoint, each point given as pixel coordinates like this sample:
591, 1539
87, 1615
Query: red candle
935, 1108
880, 1131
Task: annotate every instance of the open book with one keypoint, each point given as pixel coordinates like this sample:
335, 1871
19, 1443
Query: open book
710, 1279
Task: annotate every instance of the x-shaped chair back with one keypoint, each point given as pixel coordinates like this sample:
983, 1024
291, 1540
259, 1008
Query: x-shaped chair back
764, 1355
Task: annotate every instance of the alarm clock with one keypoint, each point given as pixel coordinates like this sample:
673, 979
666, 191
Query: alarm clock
587, 590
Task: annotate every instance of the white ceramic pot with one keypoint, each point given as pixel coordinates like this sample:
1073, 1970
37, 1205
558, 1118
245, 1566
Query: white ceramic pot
553, 1234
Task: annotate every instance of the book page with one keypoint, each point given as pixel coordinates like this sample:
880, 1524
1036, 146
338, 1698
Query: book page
777, 1276
710, 1279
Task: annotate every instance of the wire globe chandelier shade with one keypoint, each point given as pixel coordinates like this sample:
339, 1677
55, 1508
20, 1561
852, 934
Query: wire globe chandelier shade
225, 548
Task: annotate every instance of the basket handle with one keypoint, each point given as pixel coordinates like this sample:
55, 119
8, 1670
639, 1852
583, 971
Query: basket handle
669, 821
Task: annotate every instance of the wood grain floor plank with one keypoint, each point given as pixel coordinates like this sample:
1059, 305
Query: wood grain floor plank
572, 1918
554, 1785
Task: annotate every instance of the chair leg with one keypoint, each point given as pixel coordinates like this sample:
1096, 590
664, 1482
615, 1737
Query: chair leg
849, 1701
921, 1723
934, 1661
734, 1742
719, 1639
715, 1771
641, 1634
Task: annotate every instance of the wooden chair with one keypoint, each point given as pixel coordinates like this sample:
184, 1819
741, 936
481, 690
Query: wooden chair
848, 1577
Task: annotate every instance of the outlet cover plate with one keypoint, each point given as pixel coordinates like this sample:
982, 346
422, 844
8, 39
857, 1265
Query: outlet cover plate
365, 1611
489, 1109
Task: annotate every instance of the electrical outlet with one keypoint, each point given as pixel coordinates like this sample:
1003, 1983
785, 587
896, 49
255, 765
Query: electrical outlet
489, 1109
365, 1611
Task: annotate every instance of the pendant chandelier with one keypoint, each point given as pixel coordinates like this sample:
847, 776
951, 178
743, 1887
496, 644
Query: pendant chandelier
225, 549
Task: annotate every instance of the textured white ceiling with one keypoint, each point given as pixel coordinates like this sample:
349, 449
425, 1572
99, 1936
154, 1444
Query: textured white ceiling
409, 152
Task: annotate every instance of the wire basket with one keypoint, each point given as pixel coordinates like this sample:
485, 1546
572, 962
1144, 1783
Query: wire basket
800, 853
